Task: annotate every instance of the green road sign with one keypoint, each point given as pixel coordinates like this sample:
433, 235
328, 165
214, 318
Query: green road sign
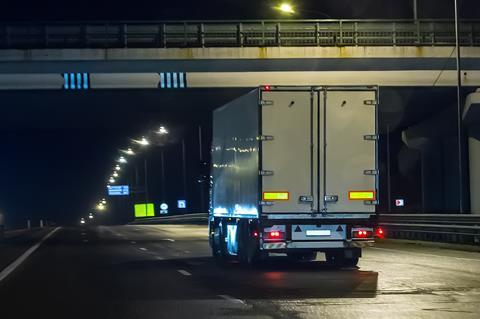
144, 210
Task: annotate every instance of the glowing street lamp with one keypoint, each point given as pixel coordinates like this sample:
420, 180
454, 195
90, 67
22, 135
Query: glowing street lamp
143, 141
122, 160
112, 180
130, 151
162, 130
115, 174
101, 206
118, 168
286, 8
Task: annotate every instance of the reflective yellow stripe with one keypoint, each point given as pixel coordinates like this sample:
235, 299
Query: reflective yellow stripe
276, 196
361, 195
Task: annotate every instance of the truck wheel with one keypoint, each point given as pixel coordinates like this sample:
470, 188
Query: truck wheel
308, 256
219, 250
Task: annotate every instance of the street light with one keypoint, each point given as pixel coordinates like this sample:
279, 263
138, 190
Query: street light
117, 167
115, 174
112, 180
122, 160
143, 141
162, 130
286, 8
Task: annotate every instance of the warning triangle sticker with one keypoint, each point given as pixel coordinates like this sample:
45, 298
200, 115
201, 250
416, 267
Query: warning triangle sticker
298, 229
339, 228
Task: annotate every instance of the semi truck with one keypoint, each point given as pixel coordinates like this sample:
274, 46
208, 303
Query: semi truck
295, 171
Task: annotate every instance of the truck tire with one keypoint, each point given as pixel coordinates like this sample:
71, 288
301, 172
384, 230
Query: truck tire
248, 252
306, 256
219, 249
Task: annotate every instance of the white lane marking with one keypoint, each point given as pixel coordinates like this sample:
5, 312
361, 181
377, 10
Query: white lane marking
169, 239
159, 258
85, 240
184, 272
133, 242
10, 268
84, 234
142, 248
424, 254
231, 299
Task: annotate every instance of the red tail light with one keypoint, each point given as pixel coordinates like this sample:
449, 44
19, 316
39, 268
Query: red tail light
380, 233
255, 234
274, 235
362, 233
266, 87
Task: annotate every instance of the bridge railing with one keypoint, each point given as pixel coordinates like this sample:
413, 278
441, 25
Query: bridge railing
249, 33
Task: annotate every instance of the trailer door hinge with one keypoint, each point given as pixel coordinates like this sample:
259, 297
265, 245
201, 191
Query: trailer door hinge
266, 102
264, 203
370, 102
371, 137
265, 173
265, 138
370, 172
370, 202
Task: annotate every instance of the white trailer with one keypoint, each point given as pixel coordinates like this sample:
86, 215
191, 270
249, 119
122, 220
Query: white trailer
295, 171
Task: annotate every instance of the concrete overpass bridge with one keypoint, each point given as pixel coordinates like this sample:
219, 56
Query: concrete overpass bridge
196, 54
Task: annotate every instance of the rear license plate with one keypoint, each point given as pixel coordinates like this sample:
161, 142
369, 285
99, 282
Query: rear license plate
318, 232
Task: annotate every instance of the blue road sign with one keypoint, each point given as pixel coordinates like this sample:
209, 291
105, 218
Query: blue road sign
181, 203
119, 190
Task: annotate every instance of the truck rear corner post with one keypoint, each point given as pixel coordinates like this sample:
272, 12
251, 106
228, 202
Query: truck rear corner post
295, 171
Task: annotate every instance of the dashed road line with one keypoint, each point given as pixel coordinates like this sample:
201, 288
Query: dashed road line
159, 258
184, 272
143, 248
169, 239
85, 240
10, 268
232, 299
133, 242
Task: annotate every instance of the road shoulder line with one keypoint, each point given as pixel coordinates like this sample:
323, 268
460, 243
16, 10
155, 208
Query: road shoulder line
14, 265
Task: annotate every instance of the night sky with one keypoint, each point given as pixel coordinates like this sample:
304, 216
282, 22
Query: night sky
57, 149
228, 9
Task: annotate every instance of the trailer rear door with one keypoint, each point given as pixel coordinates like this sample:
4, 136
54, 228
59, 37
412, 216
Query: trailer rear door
318, 150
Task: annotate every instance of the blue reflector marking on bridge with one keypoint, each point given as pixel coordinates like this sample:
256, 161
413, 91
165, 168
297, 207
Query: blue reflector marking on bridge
85, 81
181, 80
175, 80
65, 80
72, 81
162, 80
169, 81
175, 84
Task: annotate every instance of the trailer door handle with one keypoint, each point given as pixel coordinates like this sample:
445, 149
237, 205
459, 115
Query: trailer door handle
331, 198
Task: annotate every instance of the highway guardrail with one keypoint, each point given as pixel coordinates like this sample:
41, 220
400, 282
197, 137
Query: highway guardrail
450, 228
197, 218
239, 33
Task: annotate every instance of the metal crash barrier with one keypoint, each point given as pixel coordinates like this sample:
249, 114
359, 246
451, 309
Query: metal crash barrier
247, 33
449, 228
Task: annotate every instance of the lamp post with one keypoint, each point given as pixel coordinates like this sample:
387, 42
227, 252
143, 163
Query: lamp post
144, 143
459, 109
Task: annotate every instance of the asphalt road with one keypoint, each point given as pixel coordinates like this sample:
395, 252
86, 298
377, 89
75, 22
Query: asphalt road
166, 272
